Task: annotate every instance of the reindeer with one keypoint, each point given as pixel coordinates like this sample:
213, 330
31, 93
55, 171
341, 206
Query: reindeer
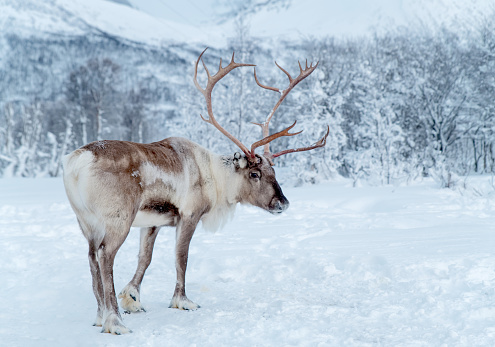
115, 185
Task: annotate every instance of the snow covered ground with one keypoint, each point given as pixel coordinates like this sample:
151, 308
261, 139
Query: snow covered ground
386, 266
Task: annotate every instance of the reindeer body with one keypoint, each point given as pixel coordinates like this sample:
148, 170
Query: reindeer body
113, 185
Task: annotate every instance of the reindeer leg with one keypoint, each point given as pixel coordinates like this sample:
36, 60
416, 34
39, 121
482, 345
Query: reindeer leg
97, 284
94, 242
130, 295
184, 233
114, 237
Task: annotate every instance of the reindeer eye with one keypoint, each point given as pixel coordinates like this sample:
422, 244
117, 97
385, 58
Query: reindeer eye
254, 175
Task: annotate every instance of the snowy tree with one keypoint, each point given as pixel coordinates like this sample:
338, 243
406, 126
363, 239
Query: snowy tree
400, 104
479, 122
23, 160
441, 98
134, 115
8, 132
92, 90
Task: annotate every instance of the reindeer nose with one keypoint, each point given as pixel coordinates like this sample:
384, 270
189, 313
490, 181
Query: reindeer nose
280, 205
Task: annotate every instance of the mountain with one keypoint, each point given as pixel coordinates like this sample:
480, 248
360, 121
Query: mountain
76, 17
212, 22
295, 19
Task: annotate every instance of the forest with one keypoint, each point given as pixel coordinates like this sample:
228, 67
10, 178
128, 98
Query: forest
400, 105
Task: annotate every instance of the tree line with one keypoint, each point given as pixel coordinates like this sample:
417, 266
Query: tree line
400, 105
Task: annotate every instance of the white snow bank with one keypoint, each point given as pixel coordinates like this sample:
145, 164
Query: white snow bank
343, 266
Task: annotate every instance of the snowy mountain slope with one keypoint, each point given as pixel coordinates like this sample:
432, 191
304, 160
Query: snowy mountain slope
295, 19
403, 266
30, 18
76, 17
153, 22
359, 17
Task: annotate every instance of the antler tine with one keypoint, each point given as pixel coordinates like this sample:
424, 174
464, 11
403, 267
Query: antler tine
321, 143
265, 132
212, 80
267, 139
288, 74
263, 86
206, 68
196, 83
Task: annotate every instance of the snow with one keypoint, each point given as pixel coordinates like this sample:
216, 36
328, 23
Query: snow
157, 23
30, 18
297, 19
394, 266
129, 23
76, 17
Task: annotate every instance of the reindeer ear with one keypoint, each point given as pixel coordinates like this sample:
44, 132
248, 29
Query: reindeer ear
240, 162
243, 163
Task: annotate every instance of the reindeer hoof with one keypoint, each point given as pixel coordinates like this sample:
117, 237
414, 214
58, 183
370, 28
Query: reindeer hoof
129, 312
130, 300
113, 325
98, 321
183, 303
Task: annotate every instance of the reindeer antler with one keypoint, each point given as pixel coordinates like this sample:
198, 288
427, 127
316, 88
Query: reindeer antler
265, 125
265, 141
212, 80
320, 143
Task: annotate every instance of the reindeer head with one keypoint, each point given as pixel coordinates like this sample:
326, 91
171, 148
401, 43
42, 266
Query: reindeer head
259, 188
